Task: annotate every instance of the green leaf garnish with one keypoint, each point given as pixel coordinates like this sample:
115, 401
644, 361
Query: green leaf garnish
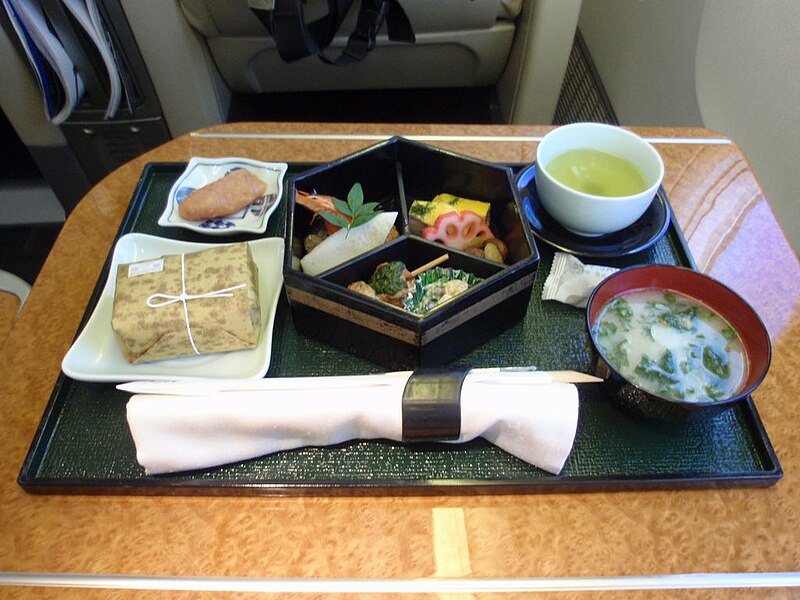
342, 207
335, 219
355, 211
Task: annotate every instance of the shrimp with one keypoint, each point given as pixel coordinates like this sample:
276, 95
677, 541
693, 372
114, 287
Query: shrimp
318, 203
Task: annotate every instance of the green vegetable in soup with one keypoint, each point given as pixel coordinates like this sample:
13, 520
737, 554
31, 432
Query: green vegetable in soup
716, 362
622, 309
714, 392
679, 319
670, 345
662, 372
619, 355
607, 328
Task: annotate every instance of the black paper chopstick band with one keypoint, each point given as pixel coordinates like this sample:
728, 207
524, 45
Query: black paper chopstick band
432, 405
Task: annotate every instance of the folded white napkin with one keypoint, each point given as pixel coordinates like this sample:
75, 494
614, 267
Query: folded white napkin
535, 422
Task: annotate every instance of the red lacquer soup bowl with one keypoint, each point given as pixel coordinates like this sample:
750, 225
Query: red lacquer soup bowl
704, 290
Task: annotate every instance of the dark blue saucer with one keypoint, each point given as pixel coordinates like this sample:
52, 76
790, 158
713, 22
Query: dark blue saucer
645, 232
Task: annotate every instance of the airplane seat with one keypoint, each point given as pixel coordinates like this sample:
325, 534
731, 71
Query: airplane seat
458, 44
187, 58
220, 48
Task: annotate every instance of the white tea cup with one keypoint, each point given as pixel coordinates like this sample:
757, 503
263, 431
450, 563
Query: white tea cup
588, 214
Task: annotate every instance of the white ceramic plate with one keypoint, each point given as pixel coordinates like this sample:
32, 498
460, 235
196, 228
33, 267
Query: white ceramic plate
96, 356
202, 171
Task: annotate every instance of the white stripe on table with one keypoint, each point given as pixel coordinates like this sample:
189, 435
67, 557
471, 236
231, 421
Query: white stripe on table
426, 138
405, 586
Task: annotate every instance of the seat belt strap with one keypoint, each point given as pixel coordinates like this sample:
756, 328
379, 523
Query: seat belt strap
295, 39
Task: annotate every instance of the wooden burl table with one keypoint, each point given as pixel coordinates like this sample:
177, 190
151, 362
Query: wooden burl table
742, 542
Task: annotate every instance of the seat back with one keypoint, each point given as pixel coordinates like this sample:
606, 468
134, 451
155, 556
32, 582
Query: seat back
215, 49
460, 43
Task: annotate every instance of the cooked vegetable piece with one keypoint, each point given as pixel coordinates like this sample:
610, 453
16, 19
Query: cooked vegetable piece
619, 354
434, 287
362, 287
491, 252
662, 371
606, 328
459, 231
390, 278
442, 291
316, 233
340, 247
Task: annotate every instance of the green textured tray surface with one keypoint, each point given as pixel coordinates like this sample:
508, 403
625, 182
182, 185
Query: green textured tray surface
83, 444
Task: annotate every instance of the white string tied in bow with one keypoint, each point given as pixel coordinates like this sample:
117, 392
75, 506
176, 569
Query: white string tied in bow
184, 297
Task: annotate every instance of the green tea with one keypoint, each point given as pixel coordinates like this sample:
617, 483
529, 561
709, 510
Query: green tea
597, 173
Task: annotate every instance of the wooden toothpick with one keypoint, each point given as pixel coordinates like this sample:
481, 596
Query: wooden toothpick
430, 265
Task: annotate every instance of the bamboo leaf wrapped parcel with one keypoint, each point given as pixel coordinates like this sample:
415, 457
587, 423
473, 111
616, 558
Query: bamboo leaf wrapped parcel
187, 304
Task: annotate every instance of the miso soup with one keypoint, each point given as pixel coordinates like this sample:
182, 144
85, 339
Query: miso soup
597, 173
670, 345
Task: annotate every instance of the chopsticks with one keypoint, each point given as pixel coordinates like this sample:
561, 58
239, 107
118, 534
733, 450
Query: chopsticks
573, 377
202, 387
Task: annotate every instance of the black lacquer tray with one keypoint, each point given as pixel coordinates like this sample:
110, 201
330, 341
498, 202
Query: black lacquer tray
83, 444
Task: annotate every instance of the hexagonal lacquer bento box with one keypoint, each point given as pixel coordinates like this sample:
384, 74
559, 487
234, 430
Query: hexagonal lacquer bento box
438, 204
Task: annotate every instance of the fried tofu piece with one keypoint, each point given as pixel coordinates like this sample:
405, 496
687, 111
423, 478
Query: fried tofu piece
222, 197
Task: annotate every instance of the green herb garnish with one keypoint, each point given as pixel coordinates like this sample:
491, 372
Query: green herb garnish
356, 212
420, 210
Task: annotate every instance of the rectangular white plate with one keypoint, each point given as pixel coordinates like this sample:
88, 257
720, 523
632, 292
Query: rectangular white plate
96, 355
